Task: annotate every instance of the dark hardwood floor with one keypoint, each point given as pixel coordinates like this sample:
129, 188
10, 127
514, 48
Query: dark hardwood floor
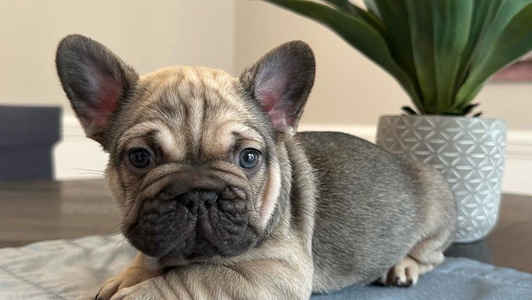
510, 242
45, 210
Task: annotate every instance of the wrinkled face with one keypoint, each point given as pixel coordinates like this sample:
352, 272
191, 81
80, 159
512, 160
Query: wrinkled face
193, 165
198, 160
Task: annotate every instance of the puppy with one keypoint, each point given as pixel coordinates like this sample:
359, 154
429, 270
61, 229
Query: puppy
224, 200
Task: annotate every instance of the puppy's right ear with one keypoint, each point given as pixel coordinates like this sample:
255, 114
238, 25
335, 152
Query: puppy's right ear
281, 82
95, 81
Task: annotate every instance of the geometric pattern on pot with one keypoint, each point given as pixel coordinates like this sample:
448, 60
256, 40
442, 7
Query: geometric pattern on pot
468, 152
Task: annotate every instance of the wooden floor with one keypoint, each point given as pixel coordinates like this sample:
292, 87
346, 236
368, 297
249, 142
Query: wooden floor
510, 242
45, 210
48, 210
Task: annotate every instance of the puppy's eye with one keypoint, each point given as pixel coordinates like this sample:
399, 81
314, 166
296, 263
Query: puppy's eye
140, 158
248, 158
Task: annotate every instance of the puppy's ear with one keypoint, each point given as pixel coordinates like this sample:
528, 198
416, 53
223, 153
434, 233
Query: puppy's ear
95, 81
281, 81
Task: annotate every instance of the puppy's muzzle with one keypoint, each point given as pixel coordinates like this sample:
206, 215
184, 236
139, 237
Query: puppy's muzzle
193, 214
198, 197
197, 201
195, 194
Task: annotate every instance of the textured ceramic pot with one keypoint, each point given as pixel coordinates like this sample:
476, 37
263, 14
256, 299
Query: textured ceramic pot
469, 152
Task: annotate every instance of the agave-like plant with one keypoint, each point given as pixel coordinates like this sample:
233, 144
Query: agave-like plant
440, 51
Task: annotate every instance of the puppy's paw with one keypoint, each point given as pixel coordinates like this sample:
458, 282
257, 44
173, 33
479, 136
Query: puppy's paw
127, 278
135, 292
155, 288
404, 274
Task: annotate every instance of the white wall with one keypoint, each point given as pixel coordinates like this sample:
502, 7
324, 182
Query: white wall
146, 34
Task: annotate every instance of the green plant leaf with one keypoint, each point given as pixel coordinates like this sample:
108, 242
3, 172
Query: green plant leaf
482, 15
371, 6
469, 108
357, 32
452, 22
512, 41
504, 12
445, 50
394, 16
421, 33
350, 8
409, 111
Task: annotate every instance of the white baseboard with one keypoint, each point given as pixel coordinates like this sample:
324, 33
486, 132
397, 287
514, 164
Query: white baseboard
77, 157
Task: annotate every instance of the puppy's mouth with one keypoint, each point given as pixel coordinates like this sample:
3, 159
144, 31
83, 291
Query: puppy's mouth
196, 223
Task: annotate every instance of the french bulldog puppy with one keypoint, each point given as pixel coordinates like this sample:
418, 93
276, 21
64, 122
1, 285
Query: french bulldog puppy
224, 200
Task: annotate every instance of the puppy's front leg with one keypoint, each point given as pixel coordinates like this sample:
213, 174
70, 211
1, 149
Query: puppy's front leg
137, 272
264, 279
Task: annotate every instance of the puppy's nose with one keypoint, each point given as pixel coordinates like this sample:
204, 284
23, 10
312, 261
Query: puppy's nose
198, 197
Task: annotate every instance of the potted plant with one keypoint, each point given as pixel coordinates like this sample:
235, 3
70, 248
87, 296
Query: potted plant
441, 52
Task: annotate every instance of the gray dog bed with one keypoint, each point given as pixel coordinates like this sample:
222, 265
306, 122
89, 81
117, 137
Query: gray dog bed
74, 269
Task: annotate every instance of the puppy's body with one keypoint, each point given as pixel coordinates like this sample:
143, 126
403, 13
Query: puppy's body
396, 201
224, 201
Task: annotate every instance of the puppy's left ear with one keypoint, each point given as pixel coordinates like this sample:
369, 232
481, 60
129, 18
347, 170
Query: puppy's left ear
281, 82
96, 82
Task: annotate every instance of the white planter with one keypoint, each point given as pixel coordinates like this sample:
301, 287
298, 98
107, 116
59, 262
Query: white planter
470, 154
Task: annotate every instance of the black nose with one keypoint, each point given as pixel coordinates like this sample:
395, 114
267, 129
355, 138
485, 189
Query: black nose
198, 197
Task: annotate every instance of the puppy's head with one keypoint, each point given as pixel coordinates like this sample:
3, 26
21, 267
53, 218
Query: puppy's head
197, 159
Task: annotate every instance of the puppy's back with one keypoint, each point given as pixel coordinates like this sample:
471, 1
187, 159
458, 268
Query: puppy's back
368, 208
